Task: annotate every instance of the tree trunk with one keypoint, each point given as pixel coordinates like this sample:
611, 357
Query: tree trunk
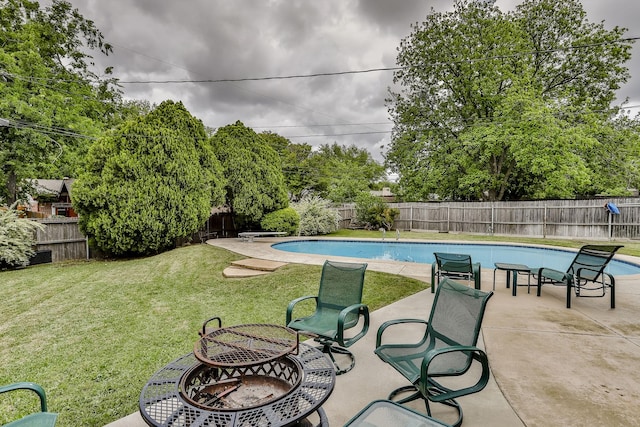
12, 186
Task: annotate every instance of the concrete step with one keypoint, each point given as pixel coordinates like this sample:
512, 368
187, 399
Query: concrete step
258, 264
238, 272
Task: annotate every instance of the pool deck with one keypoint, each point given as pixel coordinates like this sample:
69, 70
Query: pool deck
550, 364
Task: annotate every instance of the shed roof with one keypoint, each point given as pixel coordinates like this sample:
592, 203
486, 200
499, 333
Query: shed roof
52, 187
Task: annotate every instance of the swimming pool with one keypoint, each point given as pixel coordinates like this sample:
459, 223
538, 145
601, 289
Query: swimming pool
422, 252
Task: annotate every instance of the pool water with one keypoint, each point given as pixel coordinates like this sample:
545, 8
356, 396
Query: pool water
422, 252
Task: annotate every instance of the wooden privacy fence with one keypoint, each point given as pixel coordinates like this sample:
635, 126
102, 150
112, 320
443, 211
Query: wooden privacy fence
585, 219
582, 219
63, 238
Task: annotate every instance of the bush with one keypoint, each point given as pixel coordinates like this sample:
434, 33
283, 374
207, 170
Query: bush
316, 216
286, 220
374, 213
17, 238
149, 183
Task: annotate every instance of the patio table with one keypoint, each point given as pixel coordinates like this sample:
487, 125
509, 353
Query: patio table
383, 413
512, 271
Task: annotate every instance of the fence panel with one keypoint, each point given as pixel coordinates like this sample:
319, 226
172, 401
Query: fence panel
584, 219
63, 237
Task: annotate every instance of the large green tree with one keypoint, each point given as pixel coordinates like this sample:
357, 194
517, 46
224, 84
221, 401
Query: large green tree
340, 173
497, 105
52, 102
294, 159
149, 182
255, 183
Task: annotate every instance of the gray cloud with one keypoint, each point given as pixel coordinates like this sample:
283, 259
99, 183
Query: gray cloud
215, 39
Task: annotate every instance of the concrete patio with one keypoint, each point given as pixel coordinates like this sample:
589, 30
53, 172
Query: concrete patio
550, 364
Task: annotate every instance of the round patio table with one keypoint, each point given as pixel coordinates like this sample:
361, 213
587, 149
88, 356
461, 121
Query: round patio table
162, 403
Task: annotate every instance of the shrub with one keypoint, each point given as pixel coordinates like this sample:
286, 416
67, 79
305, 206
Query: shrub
17, 238
374, 213
286, 220
149, 183
316, 216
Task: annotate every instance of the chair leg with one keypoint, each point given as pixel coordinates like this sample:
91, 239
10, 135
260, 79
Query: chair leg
330, 350
613, 292
415, 395
454, 404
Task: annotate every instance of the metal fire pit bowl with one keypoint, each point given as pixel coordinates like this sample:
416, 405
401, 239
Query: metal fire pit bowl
163, 401
245, 345
240, 387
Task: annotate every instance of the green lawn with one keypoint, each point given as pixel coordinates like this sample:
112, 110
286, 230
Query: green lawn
91, 333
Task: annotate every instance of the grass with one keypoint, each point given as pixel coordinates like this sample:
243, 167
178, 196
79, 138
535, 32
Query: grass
92, 333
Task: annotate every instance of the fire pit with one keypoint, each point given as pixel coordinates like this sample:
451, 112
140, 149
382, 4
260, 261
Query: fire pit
247, 375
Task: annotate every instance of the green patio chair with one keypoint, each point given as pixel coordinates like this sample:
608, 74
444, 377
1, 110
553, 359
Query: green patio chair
454, 266
36, 419
447, 349
338, 308
585, 273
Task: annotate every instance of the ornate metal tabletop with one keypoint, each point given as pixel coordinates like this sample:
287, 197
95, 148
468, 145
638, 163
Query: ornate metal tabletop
163, 401
245, 344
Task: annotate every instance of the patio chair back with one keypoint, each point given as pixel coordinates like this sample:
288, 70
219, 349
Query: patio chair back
455, 320
591, 261
341, 286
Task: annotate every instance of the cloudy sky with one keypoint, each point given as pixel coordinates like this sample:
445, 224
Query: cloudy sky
164, 40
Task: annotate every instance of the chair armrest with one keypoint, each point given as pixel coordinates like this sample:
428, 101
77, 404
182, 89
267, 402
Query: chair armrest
361, 310
28, 386
446, 394
296, 301
389, 323
595, 273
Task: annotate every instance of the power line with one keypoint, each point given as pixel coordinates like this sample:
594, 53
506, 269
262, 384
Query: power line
336, 134
372, 70
320, 125
45, 130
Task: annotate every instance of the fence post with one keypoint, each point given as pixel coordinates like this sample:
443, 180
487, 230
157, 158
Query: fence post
448, 218
492, 219
544, 222
411, 217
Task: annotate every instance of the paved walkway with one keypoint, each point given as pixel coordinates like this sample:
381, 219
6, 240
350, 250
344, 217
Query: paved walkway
550, 365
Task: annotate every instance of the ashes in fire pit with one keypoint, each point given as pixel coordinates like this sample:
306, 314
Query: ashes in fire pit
240, 387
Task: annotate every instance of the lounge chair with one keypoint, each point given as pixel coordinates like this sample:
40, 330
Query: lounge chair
585, 273
454, 266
